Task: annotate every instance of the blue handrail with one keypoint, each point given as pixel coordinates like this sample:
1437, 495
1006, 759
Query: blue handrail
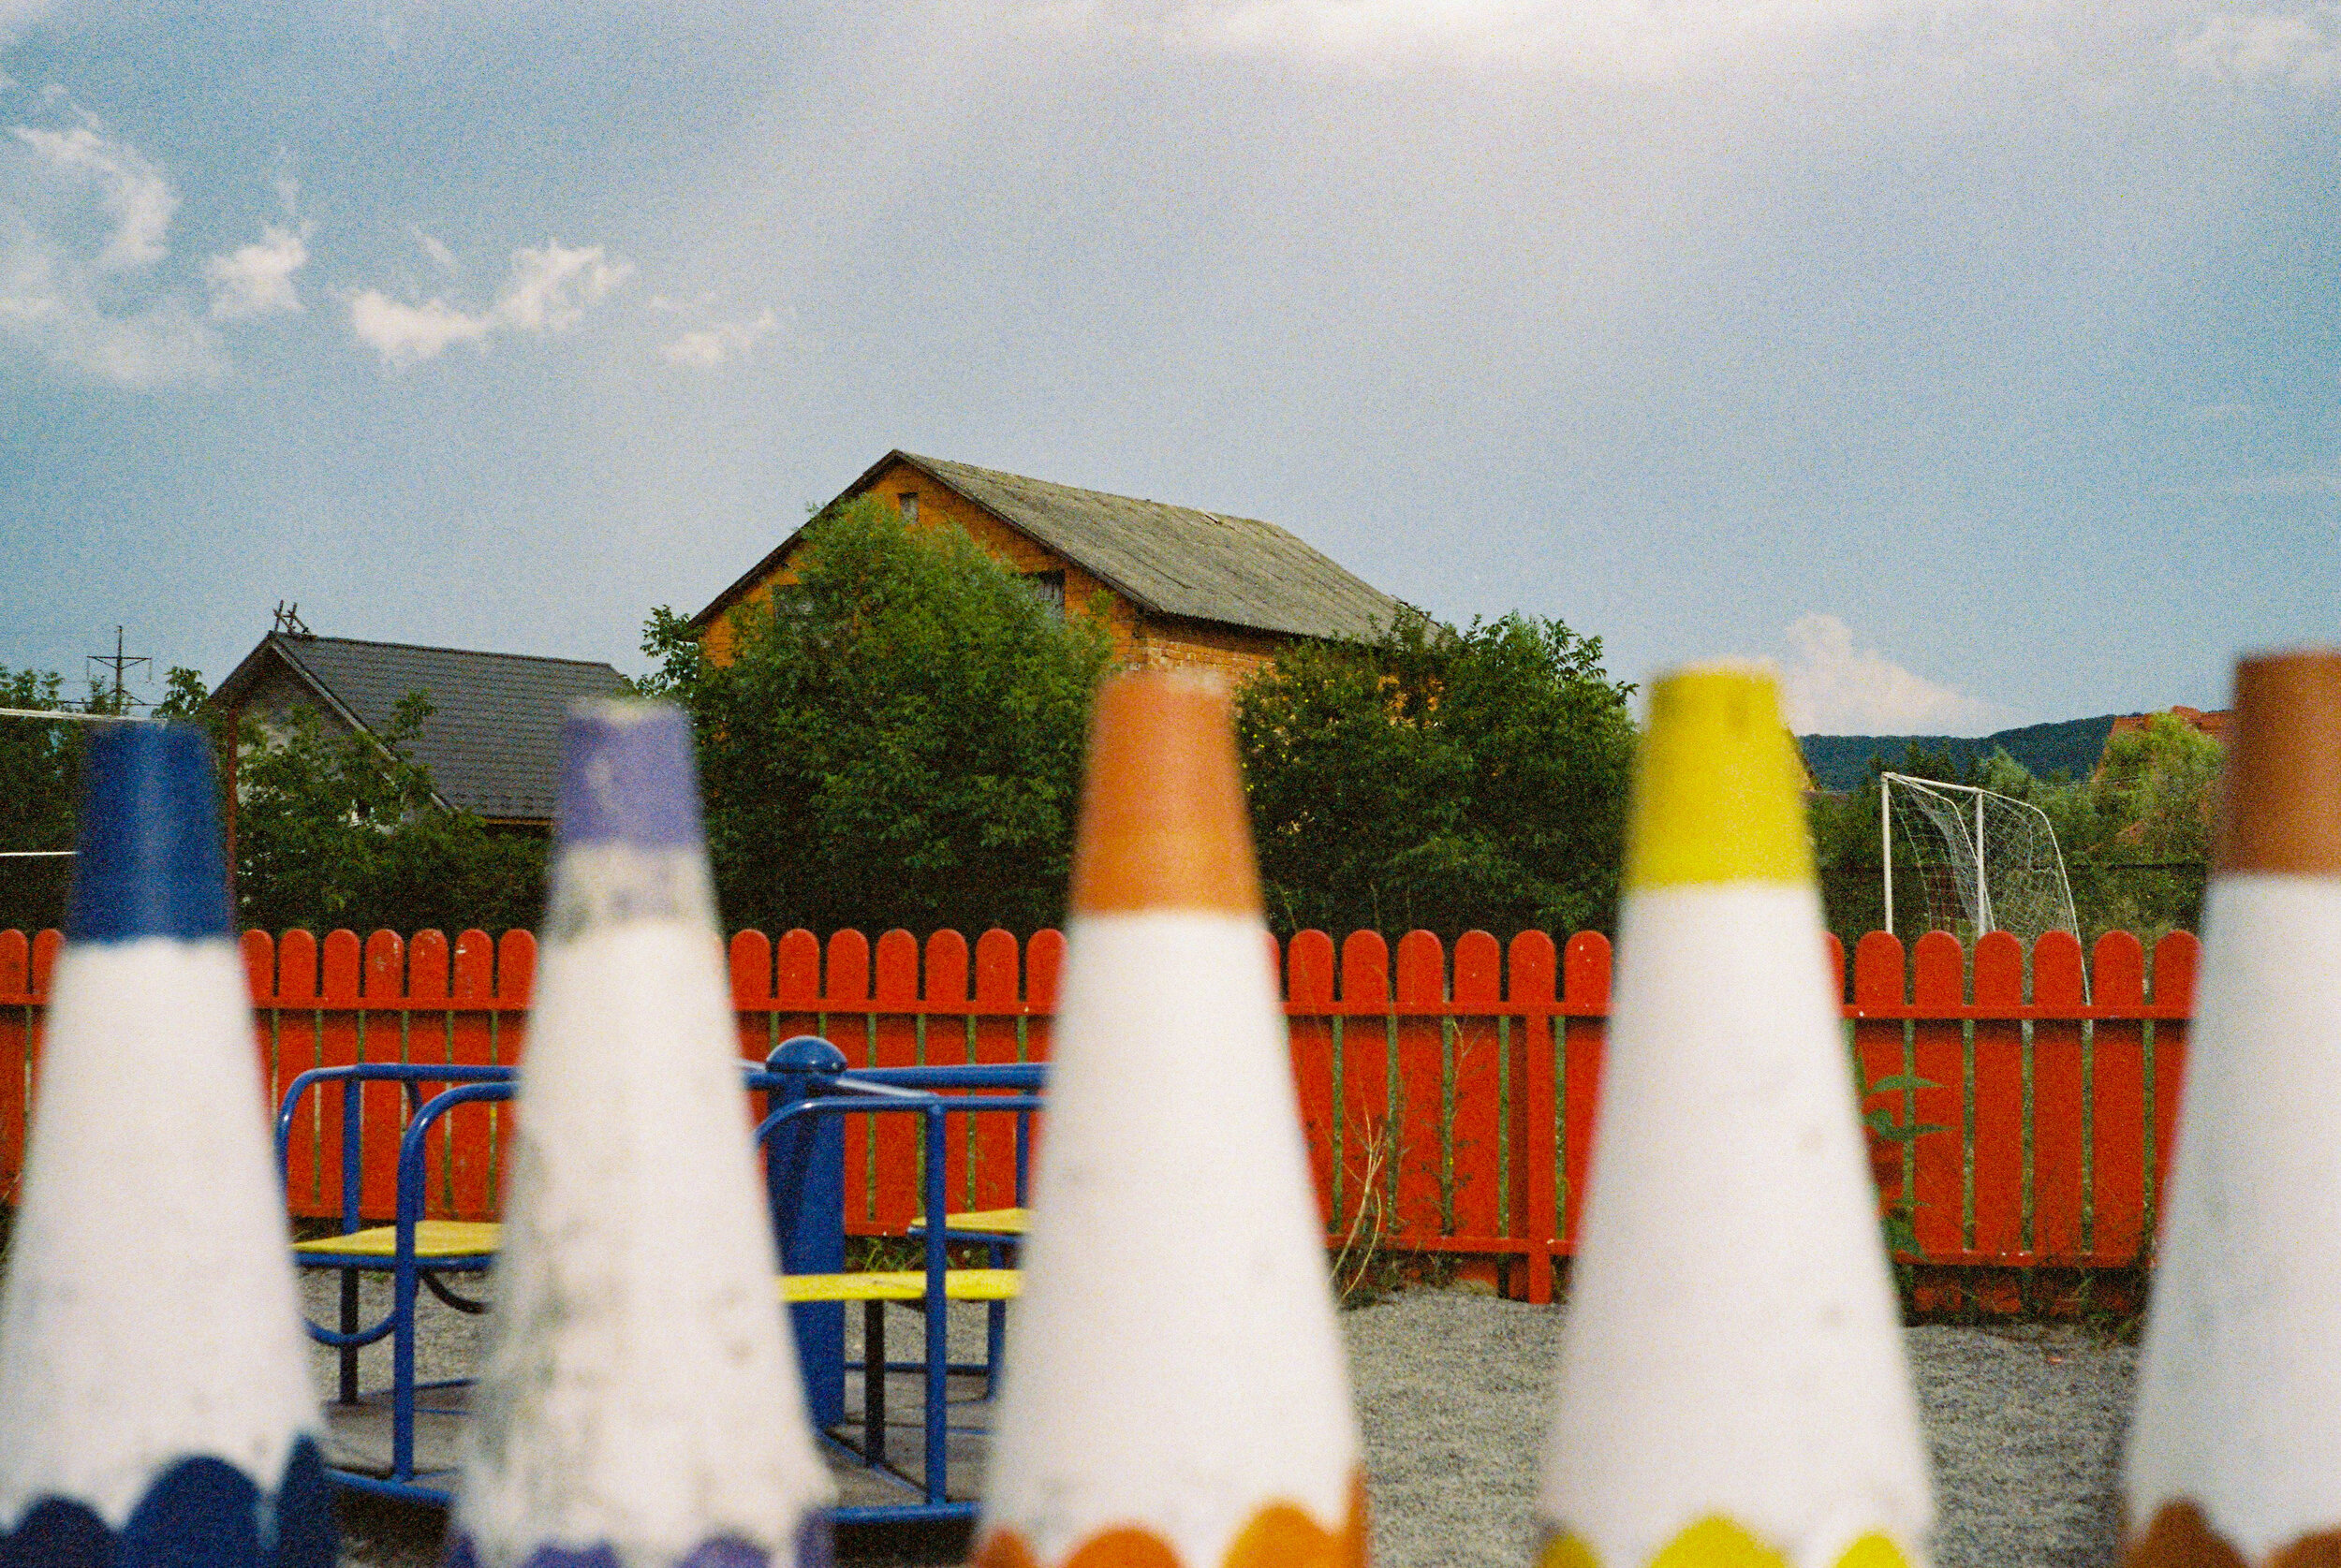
798, 1097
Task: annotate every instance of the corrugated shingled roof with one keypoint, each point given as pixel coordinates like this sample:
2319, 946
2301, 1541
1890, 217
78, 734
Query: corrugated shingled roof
1178, 560
492, 741
1170, 560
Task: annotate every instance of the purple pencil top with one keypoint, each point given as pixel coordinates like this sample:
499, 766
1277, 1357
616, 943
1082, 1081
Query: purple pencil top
626, 777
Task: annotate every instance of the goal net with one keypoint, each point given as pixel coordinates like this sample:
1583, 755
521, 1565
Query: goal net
1983, 862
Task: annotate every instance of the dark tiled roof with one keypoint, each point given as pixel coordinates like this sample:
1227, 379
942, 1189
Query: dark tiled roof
1170, 560
492, 741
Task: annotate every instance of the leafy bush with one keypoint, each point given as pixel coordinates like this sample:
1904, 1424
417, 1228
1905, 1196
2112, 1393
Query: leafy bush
898, 740
340, 830
1439, 779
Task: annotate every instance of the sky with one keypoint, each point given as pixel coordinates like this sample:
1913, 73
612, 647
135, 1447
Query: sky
1973, 363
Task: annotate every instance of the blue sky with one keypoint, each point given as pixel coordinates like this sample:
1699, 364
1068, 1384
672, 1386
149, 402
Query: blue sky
1974, 362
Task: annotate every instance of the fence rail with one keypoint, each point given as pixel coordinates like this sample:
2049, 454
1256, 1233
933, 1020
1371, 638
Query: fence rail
1448, 1098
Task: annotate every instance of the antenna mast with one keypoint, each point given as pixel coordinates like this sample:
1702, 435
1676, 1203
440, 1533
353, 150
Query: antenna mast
121, 664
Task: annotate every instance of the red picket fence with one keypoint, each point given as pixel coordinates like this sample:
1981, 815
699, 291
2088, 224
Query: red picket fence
1449, 1100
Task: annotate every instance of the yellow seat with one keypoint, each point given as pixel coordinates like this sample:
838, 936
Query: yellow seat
903, 1284
988, 1222
434, 1240
440, 1240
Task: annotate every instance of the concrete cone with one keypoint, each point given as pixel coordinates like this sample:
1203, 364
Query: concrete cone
155, 1396
1732, 1390
2235, 1445
639, 1406
1177, 1392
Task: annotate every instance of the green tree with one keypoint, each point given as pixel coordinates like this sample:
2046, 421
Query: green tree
1440, 778
2157, 781
2145, 859
341, 831
897, 738
40, 781
330, 829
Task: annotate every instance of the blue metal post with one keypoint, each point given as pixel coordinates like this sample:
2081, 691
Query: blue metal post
994, 1328
805, 1177
351, 1221
938, 1410
403, 1358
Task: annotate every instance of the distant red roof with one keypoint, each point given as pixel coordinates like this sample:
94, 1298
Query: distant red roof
2213, 725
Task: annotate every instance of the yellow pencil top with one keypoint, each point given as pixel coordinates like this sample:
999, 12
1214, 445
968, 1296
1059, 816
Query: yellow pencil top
1715, 785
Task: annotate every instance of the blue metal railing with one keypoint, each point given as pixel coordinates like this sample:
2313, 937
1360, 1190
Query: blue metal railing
808, 1092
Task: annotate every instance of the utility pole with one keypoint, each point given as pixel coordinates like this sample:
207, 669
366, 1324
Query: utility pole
121, 664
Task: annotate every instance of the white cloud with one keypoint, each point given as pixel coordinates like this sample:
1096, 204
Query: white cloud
718, 341
1832, 687
258, 279
76, 309
549, 289
406, 334
52, 304
2299, 48
440, 255
1611, 39
130, 188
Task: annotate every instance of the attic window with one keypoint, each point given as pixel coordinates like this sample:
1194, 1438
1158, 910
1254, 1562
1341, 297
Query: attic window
908, 502
1050, 587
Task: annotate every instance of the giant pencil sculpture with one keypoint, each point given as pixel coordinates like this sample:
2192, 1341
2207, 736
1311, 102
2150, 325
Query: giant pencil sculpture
154, 1397
2235, 1447
639, 1407
1732, 1388
1176, 1395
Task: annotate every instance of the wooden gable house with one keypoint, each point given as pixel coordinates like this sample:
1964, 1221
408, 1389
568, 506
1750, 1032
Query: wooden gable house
1182, 588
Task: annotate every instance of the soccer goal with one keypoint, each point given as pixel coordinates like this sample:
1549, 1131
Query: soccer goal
1985, 862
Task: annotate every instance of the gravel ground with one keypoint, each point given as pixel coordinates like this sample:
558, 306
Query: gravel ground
2025, 1419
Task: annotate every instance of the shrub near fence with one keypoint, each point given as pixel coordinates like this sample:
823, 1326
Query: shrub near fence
1448, 1106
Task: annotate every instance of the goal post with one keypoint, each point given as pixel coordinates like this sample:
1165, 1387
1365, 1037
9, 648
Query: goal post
1985, 861
69, 716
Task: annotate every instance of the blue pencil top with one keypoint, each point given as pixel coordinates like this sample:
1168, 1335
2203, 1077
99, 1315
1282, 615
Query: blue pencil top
626, 777
150, 861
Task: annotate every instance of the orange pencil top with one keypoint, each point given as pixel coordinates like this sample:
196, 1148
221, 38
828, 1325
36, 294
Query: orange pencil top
2281, 805
1163, 821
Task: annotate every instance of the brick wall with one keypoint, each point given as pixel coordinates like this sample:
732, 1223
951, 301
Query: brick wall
1165, 643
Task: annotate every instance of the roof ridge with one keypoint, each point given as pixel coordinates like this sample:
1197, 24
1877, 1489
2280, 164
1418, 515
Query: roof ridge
435, 648
1086, 489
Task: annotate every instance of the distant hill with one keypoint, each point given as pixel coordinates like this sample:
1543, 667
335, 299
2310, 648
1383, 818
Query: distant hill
2074, 745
